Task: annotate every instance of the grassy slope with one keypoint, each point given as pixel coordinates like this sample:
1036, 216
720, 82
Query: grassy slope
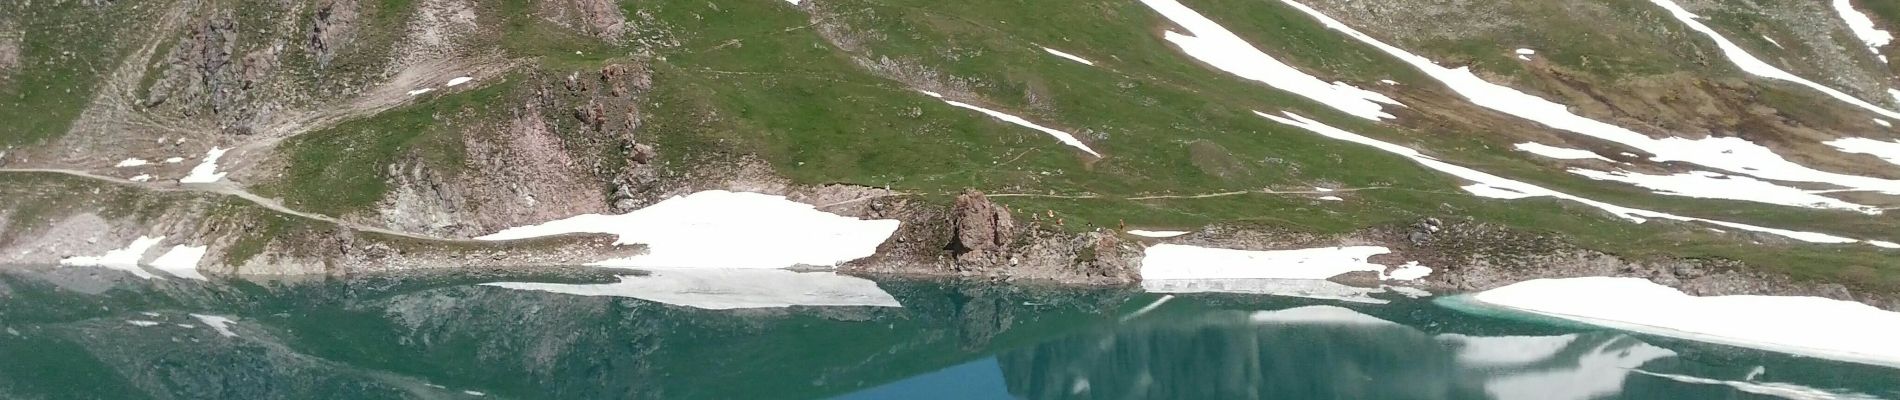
67, 48
752, 78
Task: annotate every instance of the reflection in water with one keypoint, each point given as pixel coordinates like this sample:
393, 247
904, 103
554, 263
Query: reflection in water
440, 338
724, 289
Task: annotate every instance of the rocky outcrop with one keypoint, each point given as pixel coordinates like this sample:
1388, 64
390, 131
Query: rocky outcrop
9, 49
983, 230
330, 29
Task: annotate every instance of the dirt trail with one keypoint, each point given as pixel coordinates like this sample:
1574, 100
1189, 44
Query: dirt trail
229, 189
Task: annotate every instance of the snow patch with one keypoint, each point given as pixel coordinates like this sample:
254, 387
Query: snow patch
131, 162
1210, 43
1331, 198
1061, 136
1886, 150
722, 229
459, 80
221, 324
125, 259
1726, 153
1494, 186
1156, 234
174, 160
1173, 261
725, 289
1883, 123
207, 170
181, 261
420, 91
140, 178
1710, 185
140, 322
1748, 63
1809, 326
1863, 26
1071, 57
1561, 153
1526, 52
1410, 271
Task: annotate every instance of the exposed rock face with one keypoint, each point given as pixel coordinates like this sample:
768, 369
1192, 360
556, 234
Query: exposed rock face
984, 229
207, 73
331, 27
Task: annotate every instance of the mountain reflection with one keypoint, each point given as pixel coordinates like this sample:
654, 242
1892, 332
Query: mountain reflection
1319, 352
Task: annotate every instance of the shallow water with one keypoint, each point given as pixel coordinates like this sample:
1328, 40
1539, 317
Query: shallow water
82, 333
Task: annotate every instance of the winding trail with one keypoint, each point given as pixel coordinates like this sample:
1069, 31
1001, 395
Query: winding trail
228, 189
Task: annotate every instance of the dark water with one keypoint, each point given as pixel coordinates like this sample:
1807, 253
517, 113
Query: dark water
69, 334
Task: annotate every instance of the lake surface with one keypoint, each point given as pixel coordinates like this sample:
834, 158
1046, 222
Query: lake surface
88, 333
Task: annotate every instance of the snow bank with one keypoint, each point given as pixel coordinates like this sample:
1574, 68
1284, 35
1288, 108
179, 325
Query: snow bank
1325, 315
1156, 234
1210, 43
1755, 66
1809, 326
221, 324
723, 289
1173, 261
459, 80
207, 170
125, 259
1071, 57
1488, 185
1506, 350
1710, 185
1886, 150
721, 229
1730, 154
131, 162
1863, 27
1060, 136
181, 261
1561, 153
1304, 288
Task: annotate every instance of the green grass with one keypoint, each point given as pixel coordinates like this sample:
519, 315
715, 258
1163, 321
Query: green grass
67, 50
345, 168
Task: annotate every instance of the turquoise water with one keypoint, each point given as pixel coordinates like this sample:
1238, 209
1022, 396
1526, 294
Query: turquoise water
74, 333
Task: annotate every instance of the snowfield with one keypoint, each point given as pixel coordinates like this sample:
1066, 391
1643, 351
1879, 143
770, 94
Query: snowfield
1885, 149
1710, 185
1209, 42
1755, 66
124, 259
181, 261
1488, 185
1064, 137
725, 289
722, 229
207, 170
1730, 154
1809, 326
1173, 261
1863, 27
1156, 234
